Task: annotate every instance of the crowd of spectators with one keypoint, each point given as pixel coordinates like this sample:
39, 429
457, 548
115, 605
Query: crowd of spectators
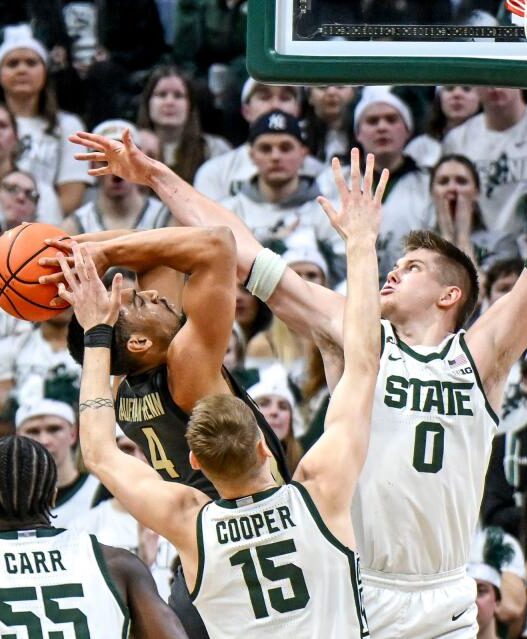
173, 73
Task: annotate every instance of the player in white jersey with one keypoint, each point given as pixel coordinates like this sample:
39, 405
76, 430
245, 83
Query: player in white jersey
263, 558
54, 582
427, 298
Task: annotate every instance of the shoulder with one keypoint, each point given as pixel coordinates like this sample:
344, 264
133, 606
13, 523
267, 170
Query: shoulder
474, 124
216, 145
69, 121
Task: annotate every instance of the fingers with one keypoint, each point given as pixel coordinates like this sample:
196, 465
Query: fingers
355, 171
105, 170
81, 260
367, 183
69, 276
328, 209
379, 191
128, 141
94, 156
115, 293
64, 294
340, 182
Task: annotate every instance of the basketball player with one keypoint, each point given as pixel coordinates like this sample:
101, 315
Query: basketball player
169, 365
299, 535
54, 582
434, 413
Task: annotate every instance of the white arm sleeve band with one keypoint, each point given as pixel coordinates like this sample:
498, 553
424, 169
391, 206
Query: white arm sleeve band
266, 273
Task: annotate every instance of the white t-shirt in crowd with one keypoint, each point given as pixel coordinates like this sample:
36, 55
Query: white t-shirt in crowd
115, 527
501, 160
49, 157
29, 361
220, 177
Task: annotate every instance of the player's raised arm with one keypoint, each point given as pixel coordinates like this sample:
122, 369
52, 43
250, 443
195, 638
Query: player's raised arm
498, 339
306, 308
128, 479
331, 468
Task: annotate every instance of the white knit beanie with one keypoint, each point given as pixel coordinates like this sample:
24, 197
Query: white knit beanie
21, 37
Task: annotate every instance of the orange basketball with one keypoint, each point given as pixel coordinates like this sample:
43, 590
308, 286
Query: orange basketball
21, 295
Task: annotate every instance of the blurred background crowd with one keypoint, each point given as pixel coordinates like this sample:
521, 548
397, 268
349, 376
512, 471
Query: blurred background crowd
173, 72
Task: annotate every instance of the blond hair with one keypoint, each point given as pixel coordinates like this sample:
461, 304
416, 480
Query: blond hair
222, 433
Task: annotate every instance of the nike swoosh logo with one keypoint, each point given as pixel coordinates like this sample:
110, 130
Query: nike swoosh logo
456, 617
394, 359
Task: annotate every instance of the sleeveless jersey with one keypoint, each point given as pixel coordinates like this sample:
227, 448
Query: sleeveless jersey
268, 566
153, 215
418, 496
55, 583
149, 416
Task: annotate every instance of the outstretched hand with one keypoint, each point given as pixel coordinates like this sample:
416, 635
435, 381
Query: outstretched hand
86, 293
123, 159
360, 211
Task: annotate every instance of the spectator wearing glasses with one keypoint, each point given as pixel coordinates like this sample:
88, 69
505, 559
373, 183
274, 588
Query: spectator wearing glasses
43, 128
48, 206
18, 199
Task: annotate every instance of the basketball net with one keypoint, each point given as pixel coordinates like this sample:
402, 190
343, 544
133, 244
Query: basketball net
519, 13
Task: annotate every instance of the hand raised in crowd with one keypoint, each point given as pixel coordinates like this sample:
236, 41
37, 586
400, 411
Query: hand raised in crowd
360, 211
123, 159
86, 293
455, 217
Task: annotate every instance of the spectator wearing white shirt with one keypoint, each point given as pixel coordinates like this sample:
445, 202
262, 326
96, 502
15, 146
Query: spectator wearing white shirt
43, 129
496, 141
278, 201
53, 424
221, 177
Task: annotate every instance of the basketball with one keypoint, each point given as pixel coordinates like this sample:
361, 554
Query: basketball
21, 295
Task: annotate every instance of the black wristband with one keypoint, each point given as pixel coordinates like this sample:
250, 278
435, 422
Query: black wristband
99, 336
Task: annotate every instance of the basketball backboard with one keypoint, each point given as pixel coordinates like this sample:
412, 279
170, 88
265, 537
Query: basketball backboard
349, 42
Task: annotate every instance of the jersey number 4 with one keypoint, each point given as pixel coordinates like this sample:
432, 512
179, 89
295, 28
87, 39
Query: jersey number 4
53, 612
265, 554
158, 456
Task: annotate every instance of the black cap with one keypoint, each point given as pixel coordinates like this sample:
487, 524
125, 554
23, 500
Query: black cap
276, 122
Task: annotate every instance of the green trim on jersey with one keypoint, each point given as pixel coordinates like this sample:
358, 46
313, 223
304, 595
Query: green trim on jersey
466, 350
66, 493
201, 554
352, 557
103, 567
39, 532
424, 358
320, 522
251, 499
383, 337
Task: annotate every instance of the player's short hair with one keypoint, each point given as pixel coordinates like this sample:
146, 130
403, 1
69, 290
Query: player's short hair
222, 433
28, 478
455, 269
500, 269
121, 360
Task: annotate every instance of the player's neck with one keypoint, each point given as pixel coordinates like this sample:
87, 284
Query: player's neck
428, 331
236, 490
7, 524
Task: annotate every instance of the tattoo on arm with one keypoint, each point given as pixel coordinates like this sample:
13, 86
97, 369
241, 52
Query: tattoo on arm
98, 402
